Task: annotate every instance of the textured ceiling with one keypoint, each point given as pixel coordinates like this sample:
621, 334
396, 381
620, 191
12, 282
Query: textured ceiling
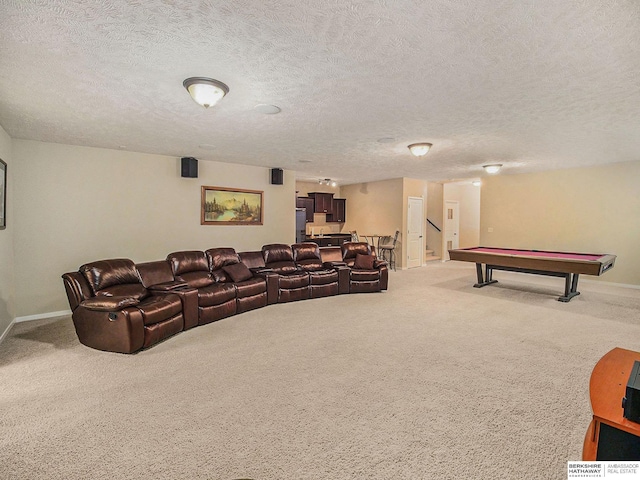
531, 84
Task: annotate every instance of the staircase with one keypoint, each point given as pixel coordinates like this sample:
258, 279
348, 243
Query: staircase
430, 257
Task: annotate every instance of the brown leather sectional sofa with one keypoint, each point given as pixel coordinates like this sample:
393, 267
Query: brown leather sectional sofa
120, 306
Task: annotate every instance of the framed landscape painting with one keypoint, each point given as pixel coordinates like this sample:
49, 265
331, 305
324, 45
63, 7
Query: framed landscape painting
3, 195
230, 206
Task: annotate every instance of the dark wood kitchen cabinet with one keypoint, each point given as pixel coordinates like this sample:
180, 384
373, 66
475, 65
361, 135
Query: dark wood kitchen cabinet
338, 211
308, 204
323, 201
332, 240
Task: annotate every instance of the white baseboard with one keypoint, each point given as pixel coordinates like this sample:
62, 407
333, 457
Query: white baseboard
40, 316
6, 331
28, 318
611, 284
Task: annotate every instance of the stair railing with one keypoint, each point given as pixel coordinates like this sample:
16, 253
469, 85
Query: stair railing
433, 225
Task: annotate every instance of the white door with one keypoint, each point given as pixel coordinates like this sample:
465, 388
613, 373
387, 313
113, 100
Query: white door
451, 227
415, 227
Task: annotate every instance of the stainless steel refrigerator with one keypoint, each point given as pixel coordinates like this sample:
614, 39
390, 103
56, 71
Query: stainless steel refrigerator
301, 225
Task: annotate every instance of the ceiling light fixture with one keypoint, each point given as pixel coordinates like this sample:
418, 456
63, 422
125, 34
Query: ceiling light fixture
267, 109
491, 169
420, 149
327, 181
205, 91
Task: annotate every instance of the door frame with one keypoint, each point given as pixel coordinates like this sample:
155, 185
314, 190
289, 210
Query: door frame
421, 247
445, 228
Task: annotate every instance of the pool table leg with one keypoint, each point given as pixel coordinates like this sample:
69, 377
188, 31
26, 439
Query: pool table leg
570, 287
487, 279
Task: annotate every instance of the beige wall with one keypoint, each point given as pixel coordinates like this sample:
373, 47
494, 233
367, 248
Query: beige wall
7, 291
68, 205
592, 210
375, 208
78, 204
381, 208
468, 198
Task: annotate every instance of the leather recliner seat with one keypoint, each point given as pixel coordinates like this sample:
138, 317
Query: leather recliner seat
113, 311
225, 267
367, 273
324, 280
158, 278
215, 300
293, 282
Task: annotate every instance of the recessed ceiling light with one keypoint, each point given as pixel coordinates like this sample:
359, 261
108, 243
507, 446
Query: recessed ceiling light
267, 109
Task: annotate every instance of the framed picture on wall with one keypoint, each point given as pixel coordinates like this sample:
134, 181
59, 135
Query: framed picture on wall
230, 206
3, 195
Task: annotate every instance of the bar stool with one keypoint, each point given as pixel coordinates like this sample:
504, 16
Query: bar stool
387, 249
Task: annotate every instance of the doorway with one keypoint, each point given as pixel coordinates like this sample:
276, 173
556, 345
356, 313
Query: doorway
451, 227
415, 227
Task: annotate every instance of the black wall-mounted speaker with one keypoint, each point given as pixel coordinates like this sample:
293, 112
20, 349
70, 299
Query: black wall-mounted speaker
189, 167
277, 176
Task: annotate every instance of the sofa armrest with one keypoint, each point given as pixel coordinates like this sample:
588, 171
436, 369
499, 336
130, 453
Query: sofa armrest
169, 286
272, 279
115, 331
261, 270
343, 275
334, 264
380, 263
109, 304
77, 288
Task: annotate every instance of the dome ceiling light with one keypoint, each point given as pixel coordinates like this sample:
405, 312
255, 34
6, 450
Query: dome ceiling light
205, 91
492, 169
420, 149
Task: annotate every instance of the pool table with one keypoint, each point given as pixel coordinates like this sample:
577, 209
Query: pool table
555, 264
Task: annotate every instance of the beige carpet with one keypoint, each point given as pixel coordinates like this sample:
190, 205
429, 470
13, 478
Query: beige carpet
431, 380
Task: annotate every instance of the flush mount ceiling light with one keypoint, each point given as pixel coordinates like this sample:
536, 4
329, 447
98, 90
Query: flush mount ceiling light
205, 91
491, 169
420, 149
327, 181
